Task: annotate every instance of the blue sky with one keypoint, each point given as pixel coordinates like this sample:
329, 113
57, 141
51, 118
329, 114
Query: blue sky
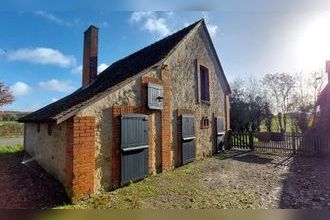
41, 50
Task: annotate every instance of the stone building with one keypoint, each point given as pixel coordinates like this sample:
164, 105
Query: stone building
323, 102
156, 109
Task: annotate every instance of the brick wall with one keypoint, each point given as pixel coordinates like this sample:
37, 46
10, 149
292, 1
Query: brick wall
80, 156
165, 81
145, 110
166, 120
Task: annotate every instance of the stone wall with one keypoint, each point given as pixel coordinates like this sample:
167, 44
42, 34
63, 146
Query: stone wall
47, 146
129, 94
185, 91
180, 79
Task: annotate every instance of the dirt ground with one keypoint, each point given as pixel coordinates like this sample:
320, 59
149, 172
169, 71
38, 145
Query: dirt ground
27, 186
232, 180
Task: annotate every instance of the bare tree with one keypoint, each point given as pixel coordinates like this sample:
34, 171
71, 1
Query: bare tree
307, 90
281, 87
249, 106
5, 95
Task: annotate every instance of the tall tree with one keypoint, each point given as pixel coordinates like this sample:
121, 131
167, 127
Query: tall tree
281, 87
248, 106
5, 95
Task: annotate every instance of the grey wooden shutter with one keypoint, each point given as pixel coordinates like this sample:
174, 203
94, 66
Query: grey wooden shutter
134, 131
155, 96
188, 139
134, 147
188, 127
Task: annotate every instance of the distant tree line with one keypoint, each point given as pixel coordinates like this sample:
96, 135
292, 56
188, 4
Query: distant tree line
280, 98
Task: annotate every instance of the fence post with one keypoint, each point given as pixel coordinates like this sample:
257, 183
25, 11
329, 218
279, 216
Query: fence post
294, 143
228, 140
251, 145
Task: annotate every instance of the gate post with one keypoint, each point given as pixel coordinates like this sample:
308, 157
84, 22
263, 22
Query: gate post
251, 144
228, 140
293, 143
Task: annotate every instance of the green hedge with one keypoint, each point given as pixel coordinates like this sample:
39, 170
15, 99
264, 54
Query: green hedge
11, 129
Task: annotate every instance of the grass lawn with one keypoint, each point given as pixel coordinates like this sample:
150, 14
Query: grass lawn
275, 125
11, 149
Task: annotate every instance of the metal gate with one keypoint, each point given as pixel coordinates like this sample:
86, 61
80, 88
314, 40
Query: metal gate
134, 147
220, 133
188, 139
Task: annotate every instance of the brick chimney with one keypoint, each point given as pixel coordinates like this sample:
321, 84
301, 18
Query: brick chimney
90, 56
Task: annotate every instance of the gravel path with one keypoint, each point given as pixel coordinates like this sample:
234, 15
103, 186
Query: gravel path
10, 141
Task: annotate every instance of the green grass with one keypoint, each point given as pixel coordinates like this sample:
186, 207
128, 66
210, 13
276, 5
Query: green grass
275, 125
11, 149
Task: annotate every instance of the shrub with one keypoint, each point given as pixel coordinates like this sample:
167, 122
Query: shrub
12, 129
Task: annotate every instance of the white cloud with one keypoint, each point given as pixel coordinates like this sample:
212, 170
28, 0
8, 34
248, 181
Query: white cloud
20, 89
212, 28
54, 100
139, 15
77, 70
151, 22
53, 18
102, 67
57, 85
105, 24
42, 55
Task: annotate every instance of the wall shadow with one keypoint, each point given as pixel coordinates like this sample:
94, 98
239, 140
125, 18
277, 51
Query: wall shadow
253, 158
307, 184
28, 186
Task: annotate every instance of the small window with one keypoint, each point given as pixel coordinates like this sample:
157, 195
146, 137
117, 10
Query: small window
38, 127
205, 123
204, 76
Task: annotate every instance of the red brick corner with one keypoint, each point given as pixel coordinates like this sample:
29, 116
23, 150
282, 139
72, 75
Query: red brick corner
80, 156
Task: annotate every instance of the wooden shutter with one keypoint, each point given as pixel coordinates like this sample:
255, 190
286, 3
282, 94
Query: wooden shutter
134, 147
134, 131
188, 139
155, 96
